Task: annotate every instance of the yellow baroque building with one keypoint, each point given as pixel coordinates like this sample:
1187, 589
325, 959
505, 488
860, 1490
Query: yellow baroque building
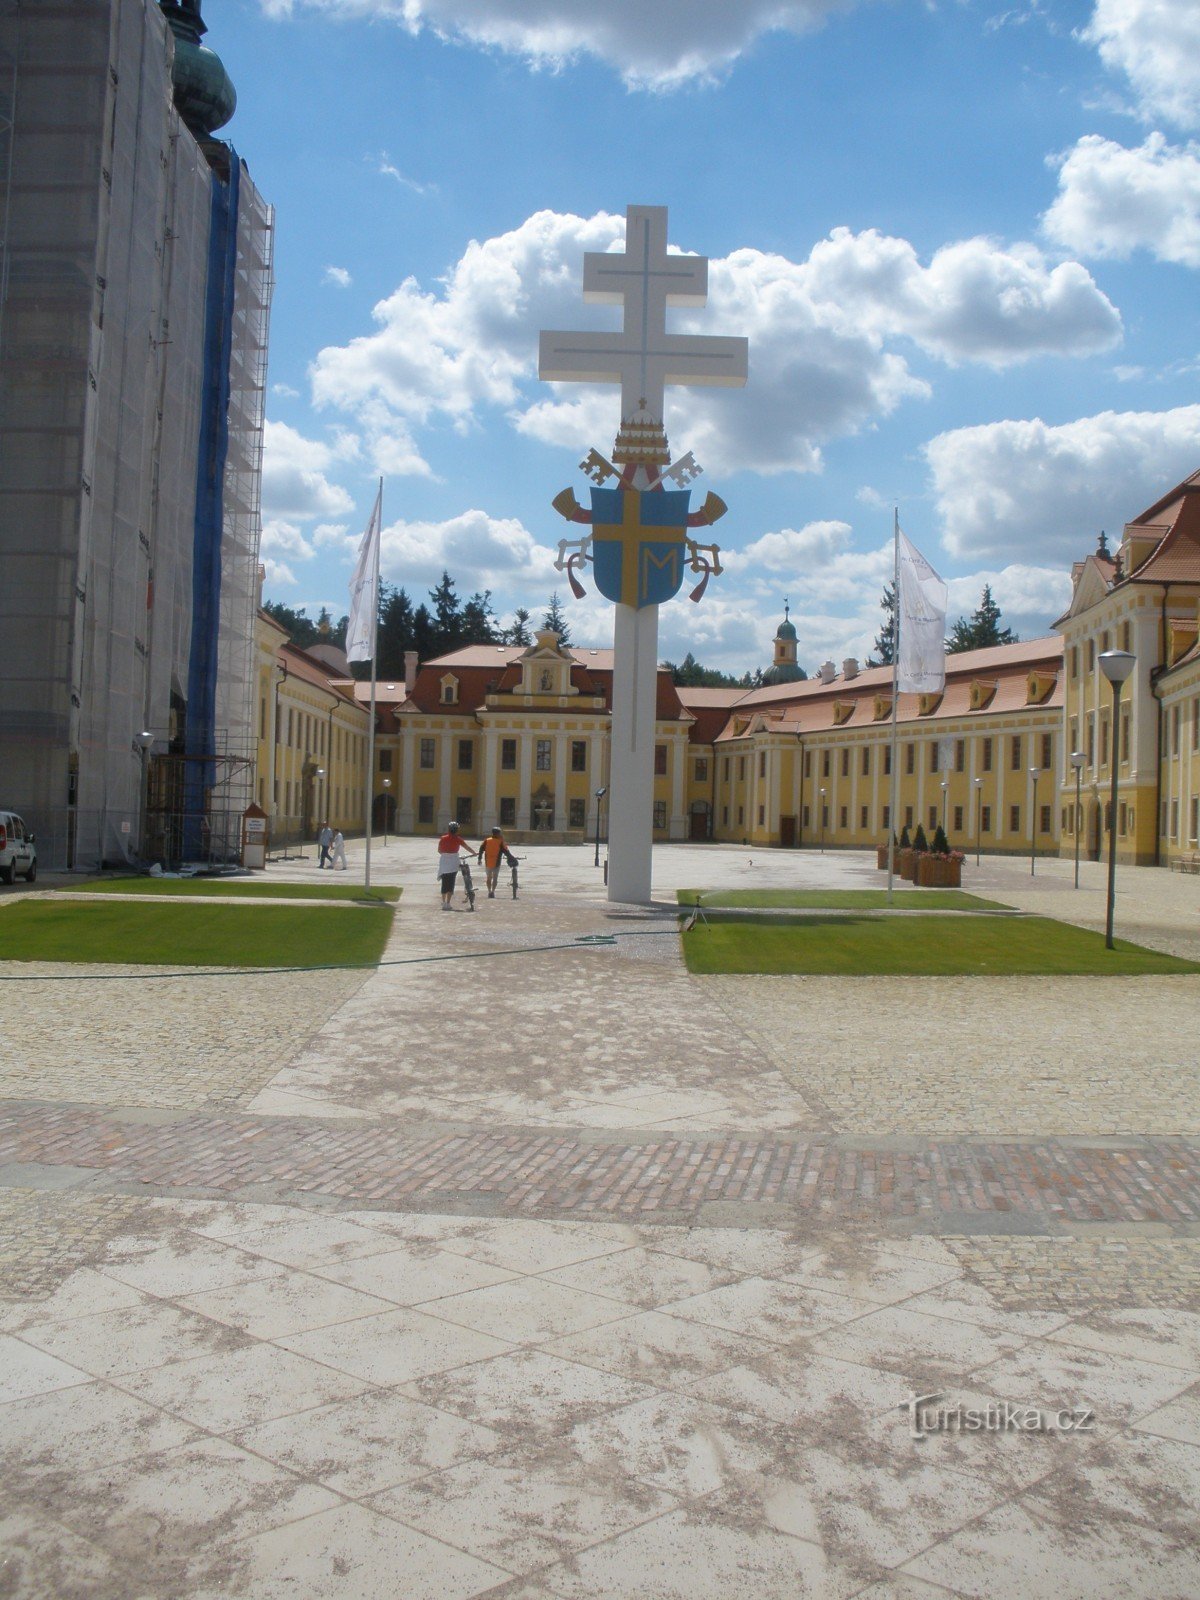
517, 737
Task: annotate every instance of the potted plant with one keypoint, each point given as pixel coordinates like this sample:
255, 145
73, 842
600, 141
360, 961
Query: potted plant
881, 853
940, 867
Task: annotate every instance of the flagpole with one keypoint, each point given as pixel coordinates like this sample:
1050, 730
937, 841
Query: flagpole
370, 783
894, 794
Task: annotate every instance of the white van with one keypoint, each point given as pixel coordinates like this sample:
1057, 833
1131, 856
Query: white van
18, 851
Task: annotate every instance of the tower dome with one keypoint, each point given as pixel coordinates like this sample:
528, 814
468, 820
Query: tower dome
204, 94
784, 668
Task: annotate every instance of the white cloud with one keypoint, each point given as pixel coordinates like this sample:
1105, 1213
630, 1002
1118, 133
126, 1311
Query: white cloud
821, 366
277, 572
294, 485
1112, 201
1156, 44
479, 551
1029, 490
792, 549
285, 391
387, 168
656, 46
285, 538
339, 277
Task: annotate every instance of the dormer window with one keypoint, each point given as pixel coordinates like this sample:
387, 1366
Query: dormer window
843, 710
927, 704
883, 706
982, 693
449, 690
1039, 687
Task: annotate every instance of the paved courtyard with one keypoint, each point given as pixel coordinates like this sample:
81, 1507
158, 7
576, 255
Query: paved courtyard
537, 1268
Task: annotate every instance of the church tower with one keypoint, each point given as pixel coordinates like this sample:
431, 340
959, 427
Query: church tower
784, 668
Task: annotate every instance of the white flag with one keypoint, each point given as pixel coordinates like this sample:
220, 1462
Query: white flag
921, 616
364, 598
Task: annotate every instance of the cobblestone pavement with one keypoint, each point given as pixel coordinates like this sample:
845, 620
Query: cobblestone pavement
541, 1273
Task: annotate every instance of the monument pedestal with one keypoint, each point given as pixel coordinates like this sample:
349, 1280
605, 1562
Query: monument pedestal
631, 770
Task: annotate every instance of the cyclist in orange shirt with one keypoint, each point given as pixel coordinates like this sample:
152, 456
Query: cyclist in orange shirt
492, 852
449, 845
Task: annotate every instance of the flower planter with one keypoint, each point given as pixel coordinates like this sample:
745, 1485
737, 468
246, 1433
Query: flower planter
906, 864
881, 857
938, 872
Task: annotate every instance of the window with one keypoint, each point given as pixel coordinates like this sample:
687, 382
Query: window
741, 815
806, 817
985, 819
866, 761
1014, 819
1015, 762
425, 757
986, 755
1047, 752
762, 763
824, 763
887, 818
1074, 671
1091, 741
578, 755
450, 692
1126, 635
958, 819
846, 762
466, 755
508, 812
1175, 730
762, 815
935, 757
660, 814
887, 760
842, 818
934, 818
808, 760
1194, 824
1174, 819
862, 820
960, 755
910, 758
425, 808
1044, 822
385, 761
725, 769
1103, 741
262, 719
508, 755
824, 816
576, 813
701, 769
1091, 654
462, 810
660, 760
542, 758
741, 769
908, 816
724, 816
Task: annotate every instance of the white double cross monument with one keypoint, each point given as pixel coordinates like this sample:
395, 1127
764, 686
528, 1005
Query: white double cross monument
638, 543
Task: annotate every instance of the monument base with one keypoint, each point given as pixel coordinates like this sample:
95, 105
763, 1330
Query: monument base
631, 768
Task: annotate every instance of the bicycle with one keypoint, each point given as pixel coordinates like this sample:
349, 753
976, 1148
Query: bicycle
465, 868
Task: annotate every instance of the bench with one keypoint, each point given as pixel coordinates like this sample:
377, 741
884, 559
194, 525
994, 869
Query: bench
1188, 863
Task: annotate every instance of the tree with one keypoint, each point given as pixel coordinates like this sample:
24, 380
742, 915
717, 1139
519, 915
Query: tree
517, 631
690, 674
884, 649
395, 634
555, 620
301, 630
446, 616
478, 623
983, 630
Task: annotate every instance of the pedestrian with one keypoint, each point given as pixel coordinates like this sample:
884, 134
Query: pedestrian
324, 840
492, 852
338, 853
449, 846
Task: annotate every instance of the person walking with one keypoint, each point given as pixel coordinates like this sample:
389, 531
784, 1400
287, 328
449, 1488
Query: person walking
338, 853
324, 841
449, 846
492, 852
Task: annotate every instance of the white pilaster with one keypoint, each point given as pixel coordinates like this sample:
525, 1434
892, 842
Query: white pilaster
446, 779
631, 788
405, 816
525, 746
490, 757
561, 745
677, 821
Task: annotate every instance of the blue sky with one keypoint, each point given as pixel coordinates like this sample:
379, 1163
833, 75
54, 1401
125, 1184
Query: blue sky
962, 240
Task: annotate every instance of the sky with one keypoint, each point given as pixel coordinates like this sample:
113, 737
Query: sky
961, 237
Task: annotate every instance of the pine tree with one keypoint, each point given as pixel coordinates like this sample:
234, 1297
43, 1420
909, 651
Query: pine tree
884, 649
302, 630
517, 631
478, 625
983, 630
555, 620
447, 616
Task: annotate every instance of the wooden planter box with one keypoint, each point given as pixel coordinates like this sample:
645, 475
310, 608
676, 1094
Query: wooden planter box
906, 864
881, 856
938, 872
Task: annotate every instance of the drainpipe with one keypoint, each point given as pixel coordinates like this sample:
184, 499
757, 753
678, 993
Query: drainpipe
1155, 673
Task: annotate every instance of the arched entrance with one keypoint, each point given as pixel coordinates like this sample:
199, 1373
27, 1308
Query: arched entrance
383, 813
701, 820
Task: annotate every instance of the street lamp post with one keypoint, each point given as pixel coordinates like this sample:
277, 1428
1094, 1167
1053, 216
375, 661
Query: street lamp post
945, 787
1078, 760
387, 784
822, 822
1035, 773
978, 817
1116, 666
600, 793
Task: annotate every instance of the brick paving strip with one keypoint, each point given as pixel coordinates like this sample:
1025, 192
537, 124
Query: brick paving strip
1018, 1185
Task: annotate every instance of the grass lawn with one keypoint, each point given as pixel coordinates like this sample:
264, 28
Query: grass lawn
262, 888
193, 935
839, 899
850, 946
